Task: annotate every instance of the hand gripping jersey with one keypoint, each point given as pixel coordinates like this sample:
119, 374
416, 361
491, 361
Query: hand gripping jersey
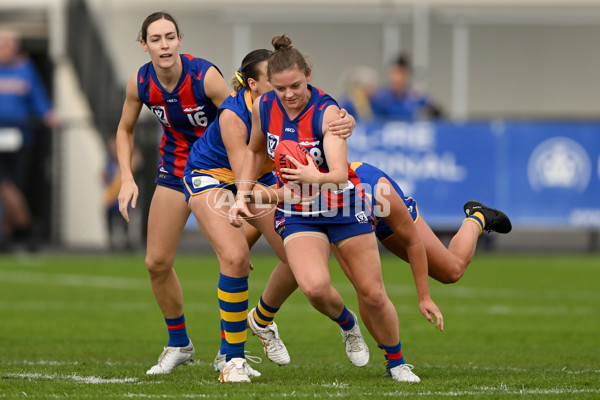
209, 153
306, 129
184, 113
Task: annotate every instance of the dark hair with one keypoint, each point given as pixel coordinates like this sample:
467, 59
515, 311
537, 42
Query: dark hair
285, 56
249, 68
143, 35
402, 61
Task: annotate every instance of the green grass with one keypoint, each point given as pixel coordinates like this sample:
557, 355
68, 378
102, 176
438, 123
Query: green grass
87, 327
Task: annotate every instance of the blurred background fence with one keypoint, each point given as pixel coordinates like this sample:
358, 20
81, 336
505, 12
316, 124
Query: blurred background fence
518, 81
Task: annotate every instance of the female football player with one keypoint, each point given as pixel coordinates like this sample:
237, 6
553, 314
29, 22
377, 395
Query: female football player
184, 92
214, 161
299, 112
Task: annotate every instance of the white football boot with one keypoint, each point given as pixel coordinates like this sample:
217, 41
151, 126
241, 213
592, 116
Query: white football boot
235, 371
220, 361
274, 348
356, 348
403, 373
171, 358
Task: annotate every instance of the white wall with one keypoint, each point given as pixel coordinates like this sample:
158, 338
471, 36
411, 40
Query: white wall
530, 63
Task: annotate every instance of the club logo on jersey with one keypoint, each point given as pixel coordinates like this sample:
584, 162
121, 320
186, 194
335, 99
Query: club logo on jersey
161, 114
361, 217
272, 142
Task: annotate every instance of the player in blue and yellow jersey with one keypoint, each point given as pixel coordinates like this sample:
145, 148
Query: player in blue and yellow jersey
400, 228
184, 92
209, 181
299, 112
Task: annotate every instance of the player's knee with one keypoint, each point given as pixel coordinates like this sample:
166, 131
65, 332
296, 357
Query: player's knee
451, 273
235, 262
158, 265
373, 299
316, 293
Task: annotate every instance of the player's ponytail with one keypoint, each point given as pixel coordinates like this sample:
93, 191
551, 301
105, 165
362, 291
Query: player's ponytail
285, 56
249, 68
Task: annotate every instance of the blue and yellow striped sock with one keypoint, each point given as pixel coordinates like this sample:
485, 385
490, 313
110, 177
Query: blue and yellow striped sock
264, 314
223, 348
177, 333
345, 321
394, 355
479, 219
233, 303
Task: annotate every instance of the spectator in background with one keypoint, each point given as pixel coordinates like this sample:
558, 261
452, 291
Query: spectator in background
121, 236
398, 100
23, 103
359, 85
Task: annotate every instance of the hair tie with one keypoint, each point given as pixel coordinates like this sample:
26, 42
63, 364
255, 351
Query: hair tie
240, 77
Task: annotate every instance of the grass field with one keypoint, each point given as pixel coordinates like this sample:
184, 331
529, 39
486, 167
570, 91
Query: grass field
87, 327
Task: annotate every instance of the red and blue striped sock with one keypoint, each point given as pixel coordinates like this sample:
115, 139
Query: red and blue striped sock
380, 346
394, 354
345, 321
177, 333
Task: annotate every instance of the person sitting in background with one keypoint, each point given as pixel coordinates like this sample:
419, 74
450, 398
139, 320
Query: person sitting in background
398, 100
23, 101
359, 84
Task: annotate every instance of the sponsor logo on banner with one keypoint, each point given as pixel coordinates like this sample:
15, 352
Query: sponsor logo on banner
559, 163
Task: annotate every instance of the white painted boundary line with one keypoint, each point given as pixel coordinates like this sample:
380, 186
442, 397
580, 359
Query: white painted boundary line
102, 282
73, 377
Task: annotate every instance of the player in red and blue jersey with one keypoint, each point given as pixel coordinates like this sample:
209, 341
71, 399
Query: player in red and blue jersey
184, 93
294, 114
209, 180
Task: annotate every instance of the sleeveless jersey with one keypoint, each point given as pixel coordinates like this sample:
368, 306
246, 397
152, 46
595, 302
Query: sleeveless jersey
184, 113
209, 152
307, 130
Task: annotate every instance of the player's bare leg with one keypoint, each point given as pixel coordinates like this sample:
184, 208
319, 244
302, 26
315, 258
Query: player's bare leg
163, 238
231, 248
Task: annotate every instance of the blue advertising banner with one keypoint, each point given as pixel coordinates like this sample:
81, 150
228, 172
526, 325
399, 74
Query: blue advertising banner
542, 174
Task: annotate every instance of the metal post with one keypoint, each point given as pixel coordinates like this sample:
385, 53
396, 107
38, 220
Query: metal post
460, 71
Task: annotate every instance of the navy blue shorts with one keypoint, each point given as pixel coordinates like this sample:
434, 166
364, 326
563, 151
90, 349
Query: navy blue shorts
336, 229
383, 230
170, 181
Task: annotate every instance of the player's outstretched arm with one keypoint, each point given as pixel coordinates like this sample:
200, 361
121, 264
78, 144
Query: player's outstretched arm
128, 193
396, 215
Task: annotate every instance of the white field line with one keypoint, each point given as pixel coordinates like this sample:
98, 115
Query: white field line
325, 384
484, 391
102, 282
458, 291
73, 377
